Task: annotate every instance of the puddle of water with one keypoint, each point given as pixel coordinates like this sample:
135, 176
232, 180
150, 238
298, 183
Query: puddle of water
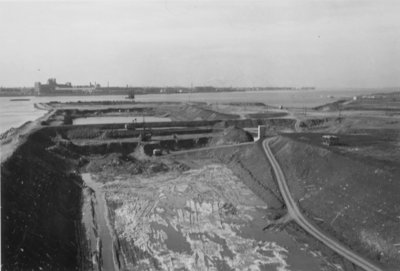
118, 119
225, 252
297, 257
175, 240
98, 222
189, 228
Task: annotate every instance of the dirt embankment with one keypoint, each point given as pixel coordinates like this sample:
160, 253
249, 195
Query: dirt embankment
272, 124
336, 105
15, 137
127, 147
355, 201
12, 132
313, 124
266, 115
388, 102
231, 135
40, 198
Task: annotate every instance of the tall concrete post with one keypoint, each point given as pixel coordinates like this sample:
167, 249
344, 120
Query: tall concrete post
37, 88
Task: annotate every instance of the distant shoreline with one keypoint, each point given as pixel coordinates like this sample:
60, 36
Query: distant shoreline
250, 90
151, 90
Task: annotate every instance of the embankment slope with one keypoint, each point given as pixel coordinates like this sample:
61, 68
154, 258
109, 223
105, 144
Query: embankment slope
40, 202
355, 201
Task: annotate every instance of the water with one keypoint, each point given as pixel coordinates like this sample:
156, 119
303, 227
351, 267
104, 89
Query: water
14, 114
103, 229
121, 119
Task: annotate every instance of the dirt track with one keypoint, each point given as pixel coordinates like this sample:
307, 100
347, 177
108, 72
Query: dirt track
297, 215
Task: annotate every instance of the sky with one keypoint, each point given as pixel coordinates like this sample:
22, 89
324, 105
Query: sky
322, 43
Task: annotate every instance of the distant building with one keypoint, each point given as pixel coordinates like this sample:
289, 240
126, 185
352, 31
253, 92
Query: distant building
37, 88
53, 88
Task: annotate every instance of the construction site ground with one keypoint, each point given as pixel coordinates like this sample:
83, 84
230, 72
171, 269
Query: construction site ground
208, 200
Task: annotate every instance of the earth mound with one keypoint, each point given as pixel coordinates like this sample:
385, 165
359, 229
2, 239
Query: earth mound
231, 135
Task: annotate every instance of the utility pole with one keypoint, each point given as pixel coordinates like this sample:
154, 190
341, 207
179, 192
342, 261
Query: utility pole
190, 91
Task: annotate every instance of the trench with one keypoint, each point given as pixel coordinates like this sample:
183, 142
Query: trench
95, 220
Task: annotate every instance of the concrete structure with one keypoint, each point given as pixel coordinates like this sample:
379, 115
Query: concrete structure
52, 87
330, 140
261, 131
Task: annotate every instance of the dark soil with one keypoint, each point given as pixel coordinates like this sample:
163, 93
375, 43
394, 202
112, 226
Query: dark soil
40, 200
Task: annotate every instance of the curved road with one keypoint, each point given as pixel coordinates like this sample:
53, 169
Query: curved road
296, 214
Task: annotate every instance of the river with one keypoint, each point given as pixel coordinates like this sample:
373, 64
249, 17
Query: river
15, 113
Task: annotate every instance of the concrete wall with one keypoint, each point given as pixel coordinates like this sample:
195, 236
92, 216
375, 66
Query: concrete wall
241, 123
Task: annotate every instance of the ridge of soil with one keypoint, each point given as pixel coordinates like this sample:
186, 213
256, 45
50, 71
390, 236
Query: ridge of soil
40, 199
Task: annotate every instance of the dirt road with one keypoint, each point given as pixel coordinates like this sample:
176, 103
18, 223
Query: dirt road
297, 215
18, 137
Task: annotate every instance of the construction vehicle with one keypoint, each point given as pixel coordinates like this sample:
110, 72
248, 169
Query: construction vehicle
145, 135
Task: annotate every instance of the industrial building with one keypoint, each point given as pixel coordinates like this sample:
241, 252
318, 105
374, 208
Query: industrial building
53, 88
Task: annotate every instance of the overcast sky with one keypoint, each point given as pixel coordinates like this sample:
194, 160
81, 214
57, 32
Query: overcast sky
324, 43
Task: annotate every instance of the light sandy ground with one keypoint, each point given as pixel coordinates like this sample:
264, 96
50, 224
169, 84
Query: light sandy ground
200, 219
